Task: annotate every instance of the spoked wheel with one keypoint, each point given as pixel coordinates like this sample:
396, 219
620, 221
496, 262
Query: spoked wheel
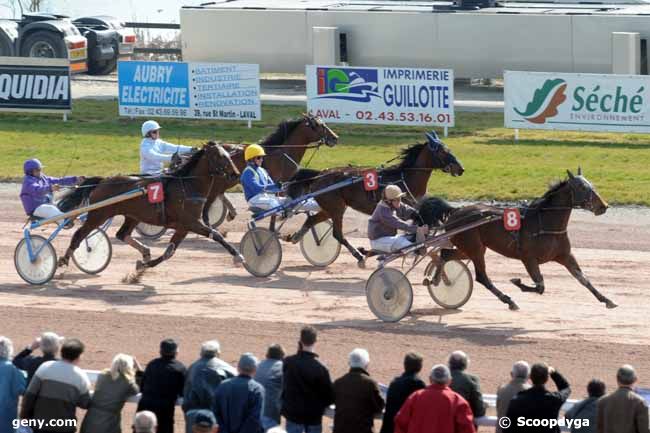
41, 270
389, 294
319, 246
450, 285
217, 213
94, 253
149, 231
262, 251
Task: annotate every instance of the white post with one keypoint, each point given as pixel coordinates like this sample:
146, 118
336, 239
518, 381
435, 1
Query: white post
446, 131
65, 117
250, 124
516, 135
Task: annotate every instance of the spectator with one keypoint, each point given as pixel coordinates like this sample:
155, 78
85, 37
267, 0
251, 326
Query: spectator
537, 402
269, 375
586, 409
505, 393
239, 401
356, 396
204, 422
49, 344
465, 384
203, 378
435, 409
112, 389
12, 386
623, 410
307, 388
401, 388
162, 384
57, 389
145, 422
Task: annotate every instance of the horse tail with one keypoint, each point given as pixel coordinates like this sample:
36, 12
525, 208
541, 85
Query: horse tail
73, 199
300, 182
435, 210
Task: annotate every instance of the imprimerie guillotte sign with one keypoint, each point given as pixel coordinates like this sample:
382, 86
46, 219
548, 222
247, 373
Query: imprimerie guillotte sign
35, 84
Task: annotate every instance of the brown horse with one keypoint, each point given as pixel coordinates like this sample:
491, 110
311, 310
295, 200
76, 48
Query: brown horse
542, 237
412, 173
185, 192
285, 148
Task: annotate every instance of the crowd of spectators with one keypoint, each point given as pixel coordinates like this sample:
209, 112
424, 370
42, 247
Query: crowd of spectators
256, 395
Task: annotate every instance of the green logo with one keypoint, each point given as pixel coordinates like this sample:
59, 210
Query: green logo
545, 101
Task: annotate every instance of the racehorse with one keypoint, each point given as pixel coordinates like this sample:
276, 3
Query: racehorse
185, 192
542, 238
285, 148
412, 172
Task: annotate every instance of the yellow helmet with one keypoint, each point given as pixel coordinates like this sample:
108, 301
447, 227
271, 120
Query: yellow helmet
252, 151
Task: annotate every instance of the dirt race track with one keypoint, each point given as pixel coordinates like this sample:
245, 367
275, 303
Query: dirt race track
199, 295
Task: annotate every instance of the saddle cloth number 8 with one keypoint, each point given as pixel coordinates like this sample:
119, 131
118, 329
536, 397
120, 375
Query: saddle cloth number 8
511, 219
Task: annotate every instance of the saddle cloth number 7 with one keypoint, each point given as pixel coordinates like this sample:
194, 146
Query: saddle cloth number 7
155, 192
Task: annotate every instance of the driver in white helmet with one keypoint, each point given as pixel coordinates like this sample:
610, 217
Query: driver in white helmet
154, 152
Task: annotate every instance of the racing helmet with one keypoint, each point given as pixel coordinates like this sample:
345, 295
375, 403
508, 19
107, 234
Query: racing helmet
32, 164
148, 126
252, 151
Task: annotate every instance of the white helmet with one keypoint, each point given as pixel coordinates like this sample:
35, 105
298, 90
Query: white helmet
148, 126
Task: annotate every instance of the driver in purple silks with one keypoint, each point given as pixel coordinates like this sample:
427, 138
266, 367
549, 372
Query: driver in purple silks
36, 193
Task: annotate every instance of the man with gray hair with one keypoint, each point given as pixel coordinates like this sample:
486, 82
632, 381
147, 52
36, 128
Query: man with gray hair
465, 384
145, 422
356, 396
49, 343
12, 386
623, 411
519, 382
436, 408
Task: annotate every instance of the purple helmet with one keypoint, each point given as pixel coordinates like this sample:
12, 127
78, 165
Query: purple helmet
32, 164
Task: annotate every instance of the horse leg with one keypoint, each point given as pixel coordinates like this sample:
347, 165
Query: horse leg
174, 242
570, 262
532, 266
92, 222
232, 212
124, 235
337, 232
202, 229
311, 221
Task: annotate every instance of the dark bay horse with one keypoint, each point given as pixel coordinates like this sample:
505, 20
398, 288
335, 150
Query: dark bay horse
412, 174
285, 148
185, 191
542, 237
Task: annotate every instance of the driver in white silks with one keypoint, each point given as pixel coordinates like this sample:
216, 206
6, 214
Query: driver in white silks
391, 215
259, 189
154, 152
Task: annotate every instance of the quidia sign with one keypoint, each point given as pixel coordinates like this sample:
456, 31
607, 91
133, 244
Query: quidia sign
587, 102
34, 84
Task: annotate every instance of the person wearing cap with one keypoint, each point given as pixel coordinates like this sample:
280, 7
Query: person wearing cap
162, 384
623, 411
154, 152
435, 408
389, 216
37, 190
204, 421
239, 401
259, 188
49, 344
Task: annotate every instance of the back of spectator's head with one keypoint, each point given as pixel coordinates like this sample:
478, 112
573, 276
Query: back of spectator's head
308, 336
440, 374
122, 365
247, 364
539, 373
50, 343
72, 349
359, 358
596, 388
6, 348
520, 370
210, 349
626, 375
275, 351
204, 422
145, 422
168, 348
458, 360
412, 363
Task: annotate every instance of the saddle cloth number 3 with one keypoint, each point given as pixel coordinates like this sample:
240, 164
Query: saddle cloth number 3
370, 181
155, 192
511, 219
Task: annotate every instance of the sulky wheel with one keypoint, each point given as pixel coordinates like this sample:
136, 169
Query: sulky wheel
450, 285
149, 231
319, 246
262, 251
389, 294
42, 269
94, 253
217, 213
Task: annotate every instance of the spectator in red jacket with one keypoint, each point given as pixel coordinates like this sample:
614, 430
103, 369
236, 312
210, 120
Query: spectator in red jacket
435, 409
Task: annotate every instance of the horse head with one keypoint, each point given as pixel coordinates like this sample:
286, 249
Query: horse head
317, 130
442, 156
219, 161
584, 194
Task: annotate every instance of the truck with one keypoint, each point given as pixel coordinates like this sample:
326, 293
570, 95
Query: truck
92, 44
